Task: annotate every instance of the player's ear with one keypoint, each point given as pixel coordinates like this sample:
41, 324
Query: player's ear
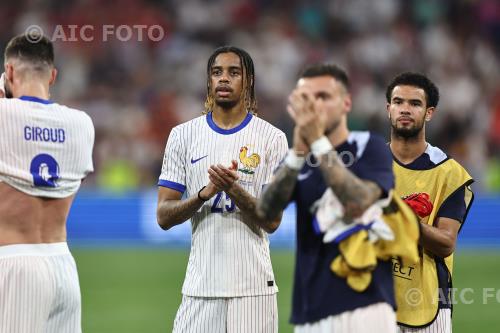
53, 75
387, 106
9, 72
429, 112
348, 102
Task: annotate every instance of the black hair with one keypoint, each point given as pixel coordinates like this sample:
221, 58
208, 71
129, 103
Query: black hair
248, 82
415, 80
35, 49
332, 70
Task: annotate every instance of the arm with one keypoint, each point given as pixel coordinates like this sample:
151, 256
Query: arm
248, 206
441, 239
171, 210
355, 194
225, 179
277, 194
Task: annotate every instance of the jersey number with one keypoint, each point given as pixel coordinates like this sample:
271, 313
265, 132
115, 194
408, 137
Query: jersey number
45, 170
219, 204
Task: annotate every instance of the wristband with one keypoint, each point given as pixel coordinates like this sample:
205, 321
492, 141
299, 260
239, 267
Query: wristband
293, 161
321, 146
199, 196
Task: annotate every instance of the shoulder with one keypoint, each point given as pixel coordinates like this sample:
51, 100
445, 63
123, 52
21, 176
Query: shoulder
436, 155
368, 143
79, 114
190, 125
11, 105
74, 118
265, 126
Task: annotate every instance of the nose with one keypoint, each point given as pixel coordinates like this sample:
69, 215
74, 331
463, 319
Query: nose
404, 109
224, 77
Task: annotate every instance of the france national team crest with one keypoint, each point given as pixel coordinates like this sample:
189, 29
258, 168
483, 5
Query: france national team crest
250, 162
45, 170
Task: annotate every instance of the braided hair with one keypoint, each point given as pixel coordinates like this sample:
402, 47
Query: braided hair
248, 79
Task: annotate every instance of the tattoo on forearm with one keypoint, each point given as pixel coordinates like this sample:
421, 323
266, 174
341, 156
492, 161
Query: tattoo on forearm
277, 193
355, 194
247, 204
173, 212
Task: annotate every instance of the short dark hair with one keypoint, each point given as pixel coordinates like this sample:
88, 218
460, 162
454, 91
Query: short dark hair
37, 50
332, 70
249, 79
415, 80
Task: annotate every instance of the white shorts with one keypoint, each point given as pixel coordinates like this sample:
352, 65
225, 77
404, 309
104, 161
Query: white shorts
375, 318
442, 324
39, 289
252, 314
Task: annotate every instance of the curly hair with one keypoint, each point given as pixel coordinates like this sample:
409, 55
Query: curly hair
415, 80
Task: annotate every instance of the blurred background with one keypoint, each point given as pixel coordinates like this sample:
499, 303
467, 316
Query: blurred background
137, 84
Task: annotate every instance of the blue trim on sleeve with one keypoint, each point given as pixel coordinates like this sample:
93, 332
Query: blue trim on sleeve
36, 99
173, 185
223, 131
351, 231
316, 228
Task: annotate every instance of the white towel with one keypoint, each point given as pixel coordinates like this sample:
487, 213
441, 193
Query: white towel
329, 213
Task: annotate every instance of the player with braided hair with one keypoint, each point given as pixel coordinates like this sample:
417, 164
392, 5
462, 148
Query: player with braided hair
221, 160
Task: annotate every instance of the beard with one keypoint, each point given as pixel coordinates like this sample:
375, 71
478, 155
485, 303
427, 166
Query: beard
407, 133
226, 104
332, 127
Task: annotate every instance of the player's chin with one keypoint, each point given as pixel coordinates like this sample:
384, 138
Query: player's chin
225, 103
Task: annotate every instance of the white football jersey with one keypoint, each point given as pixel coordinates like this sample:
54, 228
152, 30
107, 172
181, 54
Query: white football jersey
45, 148
227, 258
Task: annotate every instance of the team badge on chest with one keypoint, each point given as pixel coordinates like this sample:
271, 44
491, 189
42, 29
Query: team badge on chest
249, 162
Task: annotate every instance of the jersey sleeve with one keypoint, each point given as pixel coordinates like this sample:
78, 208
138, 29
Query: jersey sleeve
277, 153
173, 171
89, 165
454, 207
376, 164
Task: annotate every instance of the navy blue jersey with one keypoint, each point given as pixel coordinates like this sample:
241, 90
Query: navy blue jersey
318, 292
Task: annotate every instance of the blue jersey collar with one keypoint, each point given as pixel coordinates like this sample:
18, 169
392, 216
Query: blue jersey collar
35, 99
233, 130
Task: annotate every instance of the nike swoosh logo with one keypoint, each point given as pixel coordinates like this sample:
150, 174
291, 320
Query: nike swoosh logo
303, 176
198, 159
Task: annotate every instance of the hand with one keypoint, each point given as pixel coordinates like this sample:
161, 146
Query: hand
300, 146
223, 177
307, 117
209, 191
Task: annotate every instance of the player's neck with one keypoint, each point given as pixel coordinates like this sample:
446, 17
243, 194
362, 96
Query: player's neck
406, 150
228, 118
340, 134
34, 89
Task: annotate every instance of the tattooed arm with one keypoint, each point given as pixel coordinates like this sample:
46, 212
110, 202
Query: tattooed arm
225, 179
171, 210
355, 194
277, 194
248, 206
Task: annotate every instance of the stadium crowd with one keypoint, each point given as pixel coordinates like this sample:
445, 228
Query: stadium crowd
137, 89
